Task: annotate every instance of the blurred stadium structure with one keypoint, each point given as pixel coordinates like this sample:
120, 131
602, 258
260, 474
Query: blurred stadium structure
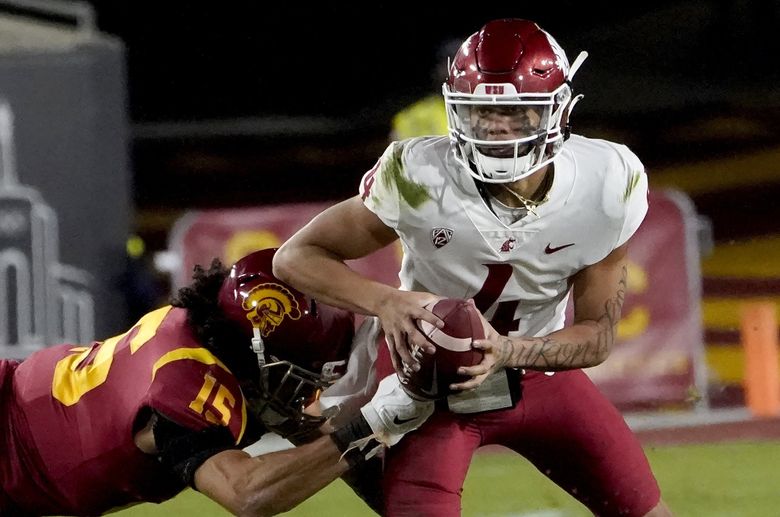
232, 148
42, 300
66, 185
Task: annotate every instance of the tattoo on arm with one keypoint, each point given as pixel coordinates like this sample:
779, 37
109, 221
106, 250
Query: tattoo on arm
548, 353
504, 353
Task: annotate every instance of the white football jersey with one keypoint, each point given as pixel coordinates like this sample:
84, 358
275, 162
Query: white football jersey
518, 274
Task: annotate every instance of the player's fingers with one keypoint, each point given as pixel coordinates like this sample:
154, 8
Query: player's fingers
469, 384
426, 315
473, 371
402, 349
405, 373
482, 344
415, 337
394, 357
424, 345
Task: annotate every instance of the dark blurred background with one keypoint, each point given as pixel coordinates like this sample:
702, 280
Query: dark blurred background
250, 104
133, 117
242, 103
246, 104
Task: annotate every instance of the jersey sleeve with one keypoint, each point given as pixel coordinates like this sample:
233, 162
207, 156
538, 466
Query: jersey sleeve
634, 195
194, 389
379, 186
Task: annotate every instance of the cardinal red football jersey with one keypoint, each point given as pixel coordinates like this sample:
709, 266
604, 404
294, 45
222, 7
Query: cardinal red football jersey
71, 413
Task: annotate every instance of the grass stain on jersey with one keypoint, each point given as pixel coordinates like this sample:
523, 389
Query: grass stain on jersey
392, 171
632, 183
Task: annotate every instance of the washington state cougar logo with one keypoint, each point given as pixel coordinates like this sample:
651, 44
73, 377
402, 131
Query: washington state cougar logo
268, 304
508, 245
440, 236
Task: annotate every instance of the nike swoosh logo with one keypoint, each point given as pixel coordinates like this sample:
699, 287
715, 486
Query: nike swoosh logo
549, 249
400, 421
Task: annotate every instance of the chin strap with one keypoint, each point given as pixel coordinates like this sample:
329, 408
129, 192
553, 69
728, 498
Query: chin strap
566, 130
258, 347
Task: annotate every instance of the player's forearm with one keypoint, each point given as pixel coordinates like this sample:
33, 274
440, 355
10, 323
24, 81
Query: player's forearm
271, 483
589, 341
327, 278
297, 474
580, 346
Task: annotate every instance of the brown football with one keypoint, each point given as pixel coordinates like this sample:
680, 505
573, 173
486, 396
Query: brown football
462, 325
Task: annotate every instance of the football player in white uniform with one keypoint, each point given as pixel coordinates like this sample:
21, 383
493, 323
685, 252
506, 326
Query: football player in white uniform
514, 212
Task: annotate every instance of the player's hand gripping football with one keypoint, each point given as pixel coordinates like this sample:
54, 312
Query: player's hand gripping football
496, 349
392, 412
399, 313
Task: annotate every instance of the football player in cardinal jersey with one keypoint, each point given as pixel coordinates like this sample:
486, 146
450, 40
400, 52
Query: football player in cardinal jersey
517, 213
169, 403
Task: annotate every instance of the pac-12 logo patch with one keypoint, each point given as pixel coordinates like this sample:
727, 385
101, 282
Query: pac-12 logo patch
441, 236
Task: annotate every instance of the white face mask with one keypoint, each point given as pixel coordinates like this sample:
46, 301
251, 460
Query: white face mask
508, 137
502, 136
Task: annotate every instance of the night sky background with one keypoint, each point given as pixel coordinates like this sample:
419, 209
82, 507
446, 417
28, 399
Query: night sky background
242, 103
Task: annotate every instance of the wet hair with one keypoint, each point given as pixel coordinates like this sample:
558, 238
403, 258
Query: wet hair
215, 331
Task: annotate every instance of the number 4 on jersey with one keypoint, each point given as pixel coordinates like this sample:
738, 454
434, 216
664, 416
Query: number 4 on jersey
504, 318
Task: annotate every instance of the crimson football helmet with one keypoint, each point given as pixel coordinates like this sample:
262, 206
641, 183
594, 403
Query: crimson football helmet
507, 94
302, 346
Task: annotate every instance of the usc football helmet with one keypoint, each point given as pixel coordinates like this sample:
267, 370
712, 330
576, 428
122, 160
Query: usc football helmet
302, 346
508, 94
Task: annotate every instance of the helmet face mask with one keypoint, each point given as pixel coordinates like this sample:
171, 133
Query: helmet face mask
301, 346
500, 123
506, 96
286, 390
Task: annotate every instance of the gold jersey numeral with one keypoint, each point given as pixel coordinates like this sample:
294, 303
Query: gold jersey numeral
78, 374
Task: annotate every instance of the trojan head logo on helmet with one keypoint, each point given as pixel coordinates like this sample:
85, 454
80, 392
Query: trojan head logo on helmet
507, 95
267, 306
301, 346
